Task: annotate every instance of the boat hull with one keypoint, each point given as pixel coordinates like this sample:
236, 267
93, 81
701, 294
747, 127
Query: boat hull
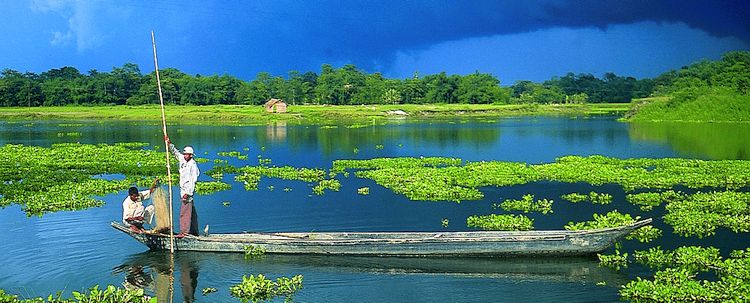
478, 243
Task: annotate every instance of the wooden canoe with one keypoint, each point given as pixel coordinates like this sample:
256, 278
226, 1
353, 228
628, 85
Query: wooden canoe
412, 244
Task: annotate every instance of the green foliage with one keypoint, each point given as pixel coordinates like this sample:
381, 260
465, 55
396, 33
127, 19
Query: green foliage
500, 222
363, 191
527, 204
110, 294
594, 197
610, 219
254, 251
250, 175
233, 154
600, 198
259, 288
64, 176
616, 261
208, 290
648, 200
575, 197
206, 188
701, 213
676, 280
436, 179
331, 184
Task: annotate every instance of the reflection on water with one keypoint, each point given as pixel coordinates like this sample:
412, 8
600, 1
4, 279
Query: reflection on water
152, 271
715, 141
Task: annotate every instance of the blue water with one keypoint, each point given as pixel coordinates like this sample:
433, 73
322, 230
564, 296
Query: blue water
74, 250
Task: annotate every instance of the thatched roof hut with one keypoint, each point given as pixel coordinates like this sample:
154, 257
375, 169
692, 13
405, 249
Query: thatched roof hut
275, 105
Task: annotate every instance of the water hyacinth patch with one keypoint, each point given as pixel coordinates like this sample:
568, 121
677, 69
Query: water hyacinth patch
616, 219
527, 204
110, 294
648, 200
701, 213
205, 188
331, 184
677, 281
575, 197
616, 261
259, 288
436, 179
500, 222
62, 177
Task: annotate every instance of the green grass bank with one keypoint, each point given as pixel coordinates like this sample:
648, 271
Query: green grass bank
314, 114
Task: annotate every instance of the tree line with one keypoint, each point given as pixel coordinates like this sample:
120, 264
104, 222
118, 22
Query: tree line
349, 85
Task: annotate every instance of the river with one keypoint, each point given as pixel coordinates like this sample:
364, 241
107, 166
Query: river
74, 250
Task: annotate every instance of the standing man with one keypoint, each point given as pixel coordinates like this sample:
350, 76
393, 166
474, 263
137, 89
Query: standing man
133, 212
188, 176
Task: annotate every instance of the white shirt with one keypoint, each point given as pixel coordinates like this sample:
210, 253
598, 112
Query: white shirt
135, 208
189, 172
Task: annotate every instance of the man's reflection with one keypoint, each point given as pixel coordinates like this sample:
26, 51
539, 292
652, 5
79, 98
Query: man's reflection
152, 272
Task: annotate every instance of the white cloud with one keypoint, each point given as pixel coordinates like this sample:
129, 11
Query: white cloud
643, 49
81, 17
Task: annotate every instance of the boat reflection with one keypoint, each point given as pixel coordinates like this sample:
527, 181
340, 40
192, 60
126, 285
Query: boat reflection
151, 270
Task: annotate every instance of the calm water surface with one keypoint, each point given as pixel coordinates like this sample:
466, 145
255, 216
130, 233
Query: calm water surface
74, 250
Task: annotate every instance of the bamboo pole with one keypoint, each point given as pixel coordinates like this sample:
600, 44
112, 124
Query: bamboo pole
166, 146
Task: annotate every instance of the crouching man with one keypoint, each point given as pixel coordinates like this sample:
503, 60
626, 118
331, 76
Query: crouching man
134, 214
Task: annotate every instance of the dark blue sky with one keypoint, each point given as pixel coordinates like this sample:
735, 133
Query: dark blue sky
513, 40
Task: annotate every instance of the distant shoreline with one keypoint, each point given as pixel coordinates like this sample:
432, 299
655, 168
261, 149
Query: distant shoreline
312, 114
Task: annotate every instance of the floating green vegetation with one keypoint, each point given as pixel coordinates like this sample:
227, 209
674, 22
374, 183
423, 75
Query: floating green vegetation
527, 204
379, 146
331, 184
221, 161
259, 288
676, 280
110, 294
615, 261
225, 203
447, 179
208, 290
254, 251
648, 200
391, 163
206, 188
500, 222
250, 175
363, 191
329, 126
701, 213
600, 198
64, 176
233, 154
575, 197
70, 124
616, 219
444, 222
594, 197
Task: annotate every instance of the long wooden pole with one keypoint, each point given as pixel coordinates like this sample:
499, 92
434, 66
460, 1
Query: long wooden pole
166, 145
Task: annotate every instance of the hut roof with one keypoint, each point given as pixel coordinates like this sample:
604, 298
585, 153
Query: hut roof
272, 102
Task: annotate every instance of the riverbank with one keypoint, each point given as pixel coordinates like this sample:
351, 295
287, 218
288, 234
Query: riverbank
315, 114
710, 107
